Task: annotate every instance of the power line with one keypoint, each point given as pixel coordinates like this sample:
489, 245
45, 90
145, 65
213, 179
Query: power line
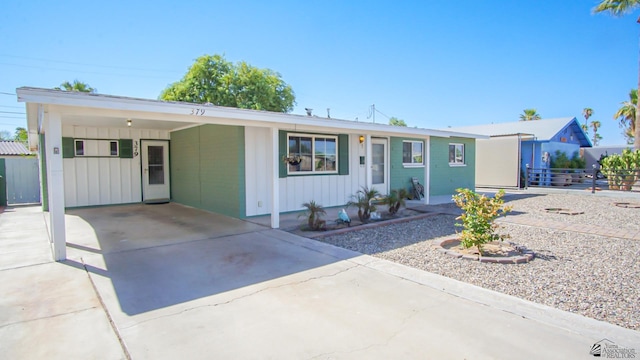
380, 112
13, 107
6, 93
84, 72
12, 117
86, 64
12, 112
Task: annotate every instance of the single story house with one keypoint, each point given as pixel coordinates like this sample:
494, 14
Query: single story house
502, 159
100, 149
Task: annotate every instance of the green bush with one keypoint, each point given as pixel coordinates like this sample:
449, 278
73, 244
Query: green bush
314, 214
478, 217
560, 160
362, 200
395, 200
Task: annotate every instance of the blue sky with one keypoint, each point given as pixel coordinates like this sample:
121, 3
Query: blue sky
432, 63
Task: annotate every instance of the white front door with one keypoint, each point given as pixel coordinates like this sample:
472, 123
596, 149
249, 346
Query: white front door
379, 165
155, 170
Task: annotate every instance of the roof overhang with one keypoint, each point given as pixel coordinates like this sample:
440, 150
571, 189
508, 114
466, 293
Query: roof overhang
88, 109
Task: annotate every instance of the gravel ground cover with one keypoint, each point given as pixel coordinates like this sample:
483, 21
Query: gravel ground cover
591, 275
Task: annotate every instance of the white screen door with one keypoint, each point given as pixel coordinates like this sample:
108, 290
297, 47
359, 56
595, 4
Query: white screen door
155, 170
379, 166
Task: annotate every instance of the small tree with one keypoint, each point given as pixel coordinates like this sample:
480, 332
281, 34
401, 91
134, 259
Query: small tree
395, 200
478, 217
314, 214
362, 200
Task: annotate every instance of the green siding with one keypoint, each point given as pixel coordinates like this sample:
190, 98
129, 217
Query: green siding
3, 183
400, 176
207, 168
43, 166
125, 148
445, 179
282, 152
68, 148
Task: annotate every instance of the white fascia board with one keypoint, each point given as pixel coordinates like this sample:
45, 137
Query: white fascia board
199, 113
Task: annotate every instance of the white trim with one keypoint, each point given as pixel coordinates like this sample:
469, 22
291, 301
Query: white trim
464, 156
275, 179
313, 154
208, 112
412, 164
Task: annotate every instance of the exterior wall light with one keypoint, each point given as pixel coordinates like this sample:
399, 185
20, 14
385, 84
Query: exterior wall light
361, 139
129, 122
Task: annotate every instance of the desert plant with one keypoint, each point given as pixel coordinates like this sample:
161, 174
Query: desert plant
314, 213
478, 217
362, 200
395, 200
621, 170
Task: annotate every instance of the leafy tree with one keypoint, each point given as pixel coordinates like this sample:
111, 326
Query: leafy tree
396, 122
529, 115
596, 137
626, 115
21, 134
619, 8
76, 86
212, 79
5, 135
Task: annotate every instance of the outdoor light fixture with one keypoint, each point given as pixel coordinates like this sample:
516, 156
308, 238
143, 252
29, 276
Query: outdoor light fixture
361, 138
129, 122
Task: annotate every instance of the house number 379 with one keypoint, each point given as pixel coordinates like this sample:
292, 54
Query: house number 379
197, 112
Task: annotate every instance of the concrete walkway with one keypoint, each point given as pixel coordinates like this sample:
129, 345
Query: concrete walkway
251, 293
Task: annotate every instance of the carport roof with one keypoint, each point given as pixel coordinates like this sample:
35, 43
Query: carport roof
121, 107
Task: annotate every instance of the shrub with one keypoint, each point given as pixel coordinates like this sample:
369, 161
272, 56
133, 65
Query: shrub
478, 217
314, 214
362, 200
560, 160
395, 200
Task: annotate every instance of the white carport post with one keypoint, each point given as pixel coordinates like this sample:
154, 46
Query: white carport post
275, 179
55, 184
427, 171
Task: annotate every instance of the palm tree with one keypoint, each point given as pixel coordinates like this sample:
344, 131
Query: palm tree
529, 114
596, 137
626, 115
76, 86
587, 112
619, 8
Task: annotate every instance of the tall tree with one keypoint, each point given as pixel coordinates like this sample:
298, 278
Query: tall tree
21, 134
76, 86
619, 8
396, 122
626, 115
529, 115
212, 79
587, 112
596, 137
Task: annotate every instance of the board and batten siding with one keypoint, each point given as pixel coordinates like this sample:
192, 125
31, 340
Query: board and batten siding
208, 170
90, 181
326, 190
445, 179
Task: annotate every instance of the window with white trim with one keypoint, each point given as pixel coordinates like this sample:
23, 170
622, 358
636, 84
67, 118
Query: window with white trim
456, 154
79, 147
412, 153
312, 154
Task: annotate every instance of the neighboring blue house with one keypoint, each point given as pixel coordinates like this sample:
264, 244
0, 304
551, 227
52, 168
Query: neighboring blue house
519, 143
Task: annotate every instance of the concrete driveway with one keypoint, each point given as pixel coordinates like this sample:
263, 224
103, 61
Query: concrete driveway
168, 281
